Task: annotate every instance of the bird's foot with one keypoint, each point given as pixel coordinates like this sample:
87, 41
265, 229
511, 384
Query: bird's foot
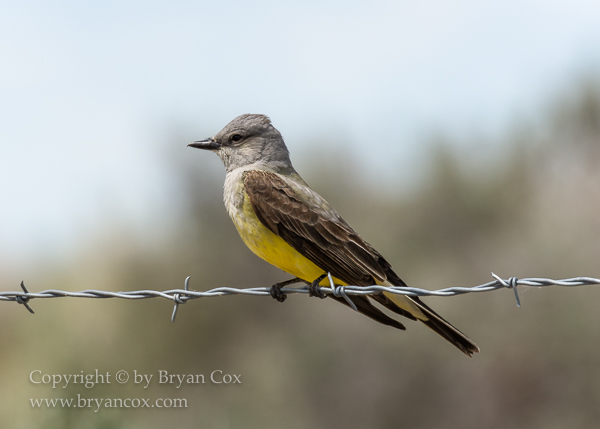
314, 289
276, 288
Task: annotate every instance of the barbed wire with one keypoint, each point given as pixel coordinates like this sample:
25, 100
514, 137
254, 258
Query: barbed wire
181, 296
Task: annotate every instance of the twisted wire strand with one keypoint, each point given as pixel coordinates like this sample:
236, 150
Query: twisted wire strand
181, 296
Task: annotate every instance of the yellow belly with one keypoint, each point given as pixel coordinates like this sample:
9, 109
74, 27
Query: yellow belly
274, 249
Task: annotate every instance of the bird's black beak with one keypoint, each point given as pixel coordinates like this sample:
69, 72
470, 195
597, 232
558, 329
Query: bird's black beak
208, 144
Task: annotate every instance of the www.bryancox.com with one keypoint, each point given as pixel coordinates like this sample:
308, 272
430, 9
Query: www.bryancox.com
97, 403
89, 380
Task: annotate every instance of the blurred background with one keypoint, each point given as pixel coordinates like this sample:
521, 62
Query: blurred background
458, 138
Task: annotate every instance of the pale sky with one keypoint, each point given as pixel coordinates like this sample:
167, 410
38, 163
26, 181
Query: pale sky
90, 92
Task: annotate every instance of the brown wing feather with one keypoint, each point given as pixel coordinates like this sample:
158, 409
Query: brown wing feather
328, 242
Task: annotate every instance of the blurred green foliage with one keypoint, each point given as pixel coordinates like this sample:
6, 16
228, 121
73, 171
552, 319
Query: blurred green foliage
531, 209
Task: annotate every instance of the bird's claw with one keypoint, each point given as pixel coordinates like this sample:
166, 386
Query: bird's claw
276, 292
314, 289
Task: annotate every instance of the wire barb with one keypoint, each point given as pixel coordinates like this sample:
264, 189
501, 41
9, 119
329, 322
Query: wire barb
340, 291
180, 298
24, 299
511, 284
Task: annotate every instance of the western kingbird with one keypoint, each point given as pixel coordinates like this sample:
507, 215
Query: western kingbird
283, 221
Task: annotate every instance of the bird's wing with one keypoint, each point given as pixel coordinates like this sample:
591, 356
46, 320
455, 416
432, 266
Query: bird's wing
313, 228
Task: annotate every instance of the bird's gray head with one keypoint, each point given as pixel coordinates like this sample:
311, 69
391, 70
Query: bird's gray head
249, 139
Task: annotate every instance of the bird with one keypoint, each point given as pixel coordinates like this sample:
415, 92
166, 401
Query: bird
286, 223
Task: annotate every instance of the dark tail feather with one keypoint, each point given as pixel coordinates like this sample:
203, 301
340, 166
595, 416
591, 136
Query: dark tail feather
446, 330
364, 306
435, 322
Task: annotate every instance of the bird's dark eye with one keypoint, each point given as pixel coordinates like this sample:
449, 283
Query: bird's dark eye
235, 138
